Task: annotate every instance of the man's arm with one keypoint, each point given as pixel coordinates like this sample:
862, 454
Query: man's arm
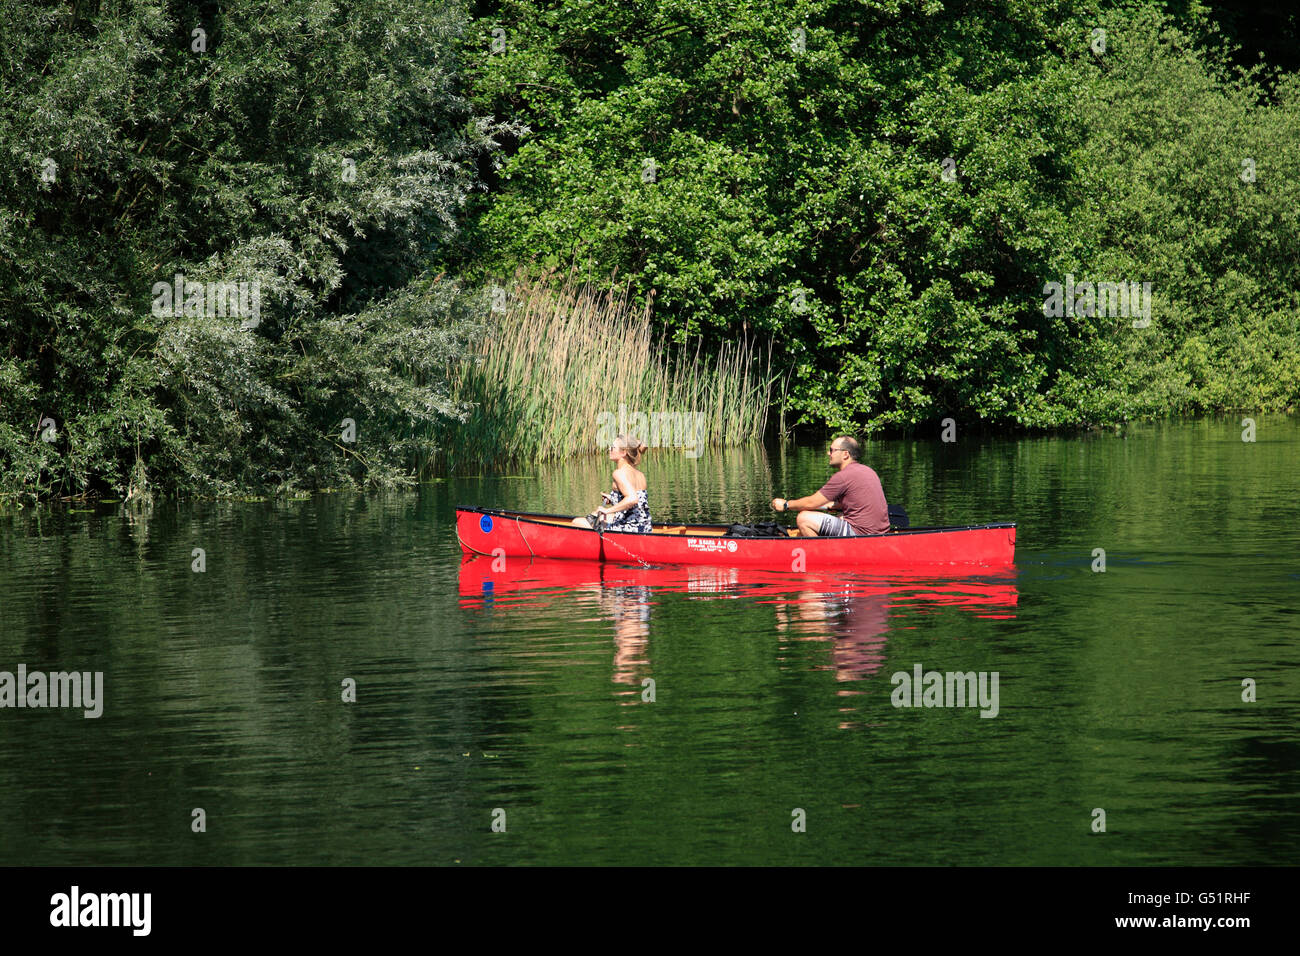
813, 502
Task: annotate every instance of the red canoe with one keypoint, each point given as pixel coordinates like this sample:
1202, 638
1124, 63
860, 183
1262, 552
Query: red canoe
515, 533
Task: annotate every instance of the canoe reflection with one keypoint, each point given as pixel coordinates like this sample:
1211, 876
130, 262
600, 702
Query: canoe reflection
849, 610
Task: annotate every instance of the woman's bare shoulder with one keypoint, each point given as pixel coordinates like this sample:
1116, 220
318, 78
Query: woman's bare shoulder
630, 475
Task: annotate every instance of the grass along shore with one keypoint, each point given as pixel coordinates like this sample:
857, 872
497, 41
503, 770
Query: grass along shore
564, 367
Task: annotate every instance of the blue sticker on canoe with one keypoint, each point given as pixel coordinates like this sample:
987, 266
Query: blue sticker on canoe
485, 523
489, 586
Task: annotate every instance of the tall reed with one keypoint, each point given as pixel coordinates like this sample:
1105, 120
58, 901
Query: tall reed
560, 355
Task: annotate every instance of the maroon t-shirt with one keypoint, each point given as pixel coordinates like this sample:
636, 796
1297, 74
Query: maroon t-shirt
856, 491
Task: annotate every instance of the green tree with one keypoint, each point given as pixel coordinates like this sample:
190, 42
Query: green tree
1191, 181
318, 150
885, 188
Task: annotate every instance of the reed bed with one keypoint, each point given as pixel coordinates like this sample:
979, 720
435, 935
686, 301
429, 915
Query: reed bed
561, 355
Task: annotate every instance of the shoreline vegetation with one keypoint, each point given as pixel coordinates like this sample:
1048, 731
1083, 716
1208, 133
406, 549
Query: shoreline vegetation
859, 221
559, 361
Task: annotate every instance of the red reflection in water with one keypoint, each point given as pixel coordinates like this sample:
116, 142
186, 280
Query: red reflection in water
848, 609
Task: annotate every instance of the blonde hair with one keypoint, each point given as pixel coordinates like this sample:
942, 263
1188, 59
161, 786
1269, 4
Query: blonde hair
632, 447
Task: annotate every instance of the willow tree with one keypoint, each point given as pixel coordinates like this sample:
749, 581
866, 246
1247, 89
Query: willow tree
308, 154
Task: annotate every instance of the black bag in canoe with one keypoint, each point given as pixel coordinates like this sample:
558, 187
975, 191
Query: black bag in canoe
764, 529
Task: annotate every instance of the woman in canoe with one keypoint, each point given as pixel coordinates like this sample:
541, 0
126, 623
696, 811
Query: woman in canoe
628, 508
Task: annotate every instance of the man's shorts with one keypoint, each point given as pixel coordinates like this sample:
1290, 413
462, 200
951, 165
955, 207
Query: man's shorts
833, 527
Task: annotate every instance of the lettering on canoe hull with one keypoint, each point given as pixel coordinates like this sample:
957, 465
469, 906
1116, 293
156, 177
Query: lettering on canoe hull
710, 545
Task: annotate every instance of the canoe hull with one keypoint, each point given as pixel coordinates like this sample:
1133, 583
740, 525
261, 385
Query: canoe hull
519, 534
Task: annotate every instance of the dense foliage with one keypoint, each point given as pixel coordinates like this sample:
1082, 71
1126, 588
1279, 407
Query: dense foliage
878, 191
319, 150
885, 188
1188, 181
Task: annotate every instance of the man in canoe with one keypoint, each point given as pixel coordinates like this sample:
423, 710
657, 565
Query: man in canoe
854, 490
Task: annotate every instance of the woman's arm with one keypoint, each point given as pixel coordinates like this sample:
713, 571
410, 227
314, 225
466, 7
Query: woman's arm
626, 490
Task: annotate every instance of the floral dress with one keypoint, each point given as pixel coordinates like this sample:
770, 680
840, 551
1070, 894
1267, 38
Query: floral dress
634, 519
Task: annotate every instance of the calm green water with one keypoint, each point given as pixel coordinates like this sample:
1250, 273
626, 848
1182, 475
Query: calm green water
1119, 690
